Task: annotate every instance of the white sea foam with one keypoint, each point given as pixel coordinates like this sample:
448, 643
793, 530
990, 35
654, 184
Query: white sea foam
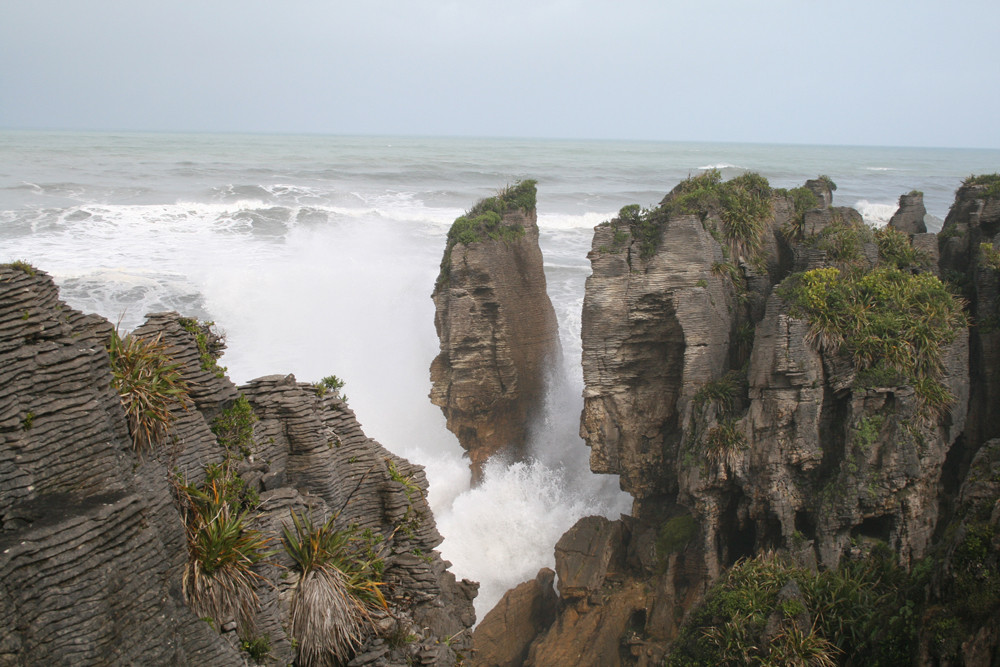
874, 213
531, 505
720, 166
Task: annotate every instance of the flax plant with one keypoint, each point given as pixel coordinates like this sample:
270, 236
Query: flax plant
337, 593
149, 382
219, 580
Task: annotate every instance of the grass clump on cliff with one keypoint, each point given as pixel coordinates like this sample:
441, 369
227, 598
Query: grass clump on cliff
210, 344
895, 249
21, 266
219, 581
990, 181
766, 611
338, 590
887, 320
149, 383
843, 241
485, 220
743, 204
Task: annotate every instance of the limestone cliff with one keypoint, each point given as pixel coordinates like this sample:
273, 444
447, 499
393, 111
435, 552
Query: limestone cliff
498, 331
96, 545
768, 375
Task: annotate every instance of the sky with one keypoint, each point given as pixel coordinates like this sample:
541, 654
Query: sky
878, 72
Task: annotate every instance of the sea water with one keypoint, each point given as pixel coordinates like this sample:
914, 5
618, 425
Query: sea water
317, 255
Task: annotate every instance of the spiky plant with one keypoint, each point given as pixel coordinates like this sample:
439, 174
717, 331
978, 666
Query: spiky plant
334, 599
219, 580
148, 382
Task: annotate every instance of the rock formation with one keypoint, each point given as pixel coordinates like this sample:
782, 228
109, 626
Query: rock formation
752, 367
910, 216
498, 331
94, 556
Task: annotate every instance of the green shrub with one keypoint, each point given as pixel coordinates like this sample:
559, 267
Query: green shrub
829, 182
843, 241
989, 257
485, 221
675, 534
885, 319
258, 648
742, 203
991, 181
723, 392
862, 613
330, 383
210, 344
896, 250
149, 383
233, 427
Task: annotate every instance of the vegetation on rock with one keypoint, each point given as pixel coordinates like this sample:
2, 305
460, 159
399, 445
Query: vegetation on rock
22, 266
896, 250
337, 592
767, 611
233, 427
149, 383
887, 320
210, 344
485, 220
990, 181
843, 241
218, 581
743, 204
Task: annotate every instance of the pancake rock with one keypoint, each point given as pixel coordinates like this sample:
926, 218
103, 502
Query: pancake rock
99, 546
781, 388
497, 328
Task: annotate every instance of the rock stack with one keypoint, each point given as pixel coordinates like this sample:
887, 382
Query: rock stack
498, 331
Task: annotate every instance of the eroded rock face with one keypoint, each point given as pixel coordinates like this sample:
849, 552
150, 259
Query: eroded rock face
653, 329
498, 331
503, 637
732, 444
910, 216
93, 544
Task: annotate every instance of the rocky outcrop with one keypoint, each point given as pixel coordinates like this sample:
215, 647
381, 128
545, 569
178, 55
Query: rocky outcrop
498, 331
93, 546
743, 423
971, 233
909, 218
503, 637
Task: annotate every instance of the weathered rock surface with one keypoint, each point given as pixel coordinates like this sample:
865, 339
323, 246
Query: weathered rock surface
909, 218
93, 546
503, 637
497, 328
738, 434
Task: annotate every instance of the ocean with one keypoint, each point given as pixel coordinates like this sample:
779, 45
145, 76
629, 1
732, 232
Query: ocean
317, 255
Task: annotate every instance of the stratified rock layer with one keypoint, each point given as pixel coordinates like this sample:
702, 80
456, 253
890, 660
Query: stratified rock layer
498, 332
739, 432
93, 544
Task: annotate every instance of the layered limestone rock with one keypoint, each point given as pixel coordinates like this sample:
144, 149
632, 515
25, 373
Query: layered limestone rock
497, 328
968, 243
910, 216
741, 426
93, 546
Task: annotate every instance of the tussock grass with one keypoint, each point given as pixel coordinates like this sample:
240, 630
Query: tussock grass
337, 593
219, 580
149, 382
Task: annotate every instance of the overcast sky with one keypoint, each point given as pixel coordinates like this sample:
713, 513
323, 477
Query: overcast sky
920, 73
